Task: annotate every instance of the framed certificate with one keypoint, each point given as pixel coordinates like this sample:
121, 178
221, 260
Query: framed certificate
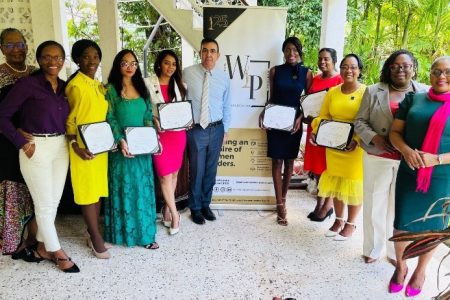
279, 117
175, 115
334, 134
97, 137
312, 103
142, 140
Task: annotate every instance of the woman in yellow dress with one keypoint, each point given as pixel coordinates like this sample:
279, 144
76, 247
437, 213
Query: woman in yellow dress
343, 178
89, 172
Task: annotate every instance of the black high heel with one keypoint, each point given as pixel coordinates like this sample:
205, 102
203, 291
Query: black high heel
311, 214
315, 218
73, 269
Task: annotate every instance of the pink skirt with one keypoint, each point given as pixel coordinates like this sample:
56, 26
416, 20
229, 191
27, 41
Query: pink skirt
170, 160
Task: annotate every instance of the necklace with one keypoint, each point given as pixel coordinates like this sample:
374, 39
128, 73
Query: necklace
15, 70
401, 90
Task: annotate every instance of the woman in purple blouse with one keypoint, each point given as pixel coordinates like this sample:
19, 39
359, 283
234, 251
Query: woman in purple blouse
44, 159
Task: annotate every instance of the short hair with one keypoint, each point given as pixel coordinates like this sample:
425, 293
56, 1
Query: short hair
115, 76
438, 60
332, 52
385, 74
294, 41
176, 77
81, 45
46, 44
359, 61
7, 31
209, 40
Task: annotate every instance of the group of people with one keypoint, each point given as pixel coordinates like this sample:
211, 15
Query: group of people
396, 167
40, 116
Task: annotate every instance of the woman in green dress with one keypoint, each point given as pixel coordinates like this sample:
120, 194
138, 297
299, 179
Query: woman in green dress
130, 213
421, 132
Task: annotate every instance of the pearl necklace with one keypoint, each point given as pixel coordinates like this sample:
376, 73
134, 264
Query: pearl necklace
401, 90
15, 70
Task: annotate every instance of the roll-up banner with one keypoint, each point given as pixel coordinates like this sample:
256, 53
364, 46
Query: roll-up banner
250, 40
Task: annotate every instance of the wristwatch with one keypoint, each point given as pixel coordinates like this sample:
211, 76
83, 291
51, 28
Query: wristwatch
440, 159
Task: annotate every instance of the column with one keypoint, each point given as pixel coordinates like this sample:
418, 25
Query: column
108, 29
334, 17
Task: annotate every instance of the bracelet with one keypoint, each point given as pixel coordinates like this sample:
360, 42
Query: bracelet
440, 159
72, 142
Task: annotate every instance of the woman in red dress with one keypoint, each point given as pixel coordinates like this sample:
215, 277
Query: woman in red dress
167, 86
314, 159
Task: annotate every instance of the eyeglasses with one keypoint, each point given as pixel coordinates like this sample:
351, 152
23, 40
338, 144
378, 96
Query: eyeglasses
49, 58
397, 68
126, 64
438, 72
11, 46
346, 67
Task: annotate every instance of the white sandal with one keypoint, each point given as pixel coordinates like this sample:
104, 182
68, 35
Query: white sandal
331, 233
340, 237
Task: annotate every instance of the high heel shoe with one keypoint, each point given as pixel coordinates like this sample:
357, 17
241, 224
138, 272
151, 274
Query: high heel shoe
166, 223
73, 269
331, 233
340, 238
173, 231
88, 236
395, 287
411, 292
315, 218
101, 255
281, 213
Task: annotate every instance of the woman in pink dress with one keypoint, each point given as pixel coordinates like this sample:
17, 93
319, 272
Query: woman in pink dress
314, 160
167, 86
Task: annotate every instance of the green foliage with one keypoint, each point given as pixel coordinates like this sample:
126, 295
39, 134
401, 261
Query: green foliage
303, 21
80, 24
420, 26
139, 17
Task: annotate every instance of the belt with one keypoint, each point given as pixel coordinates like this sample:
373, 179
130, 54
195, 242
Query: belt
212, 124
47, 134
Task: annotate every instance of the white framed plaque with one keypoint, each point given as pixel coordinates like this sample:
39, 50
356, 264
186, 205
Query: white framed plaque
279, 117
334, 134
97, 137
142, 140
175, 115
312, 103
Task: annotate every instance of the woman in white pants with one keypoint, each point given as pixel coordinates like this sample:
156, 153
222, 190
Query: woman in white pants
381, 160
42, 108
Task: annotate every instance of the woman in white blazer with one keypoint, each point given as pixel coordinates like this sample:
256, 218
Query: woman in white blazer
381, 160
166, 86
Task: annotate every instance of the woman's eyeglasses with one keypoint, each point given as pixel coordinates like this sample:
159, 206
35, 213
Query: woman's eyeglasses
397, 67
11, 46
438, 72
49, 58
347, 67
126, 64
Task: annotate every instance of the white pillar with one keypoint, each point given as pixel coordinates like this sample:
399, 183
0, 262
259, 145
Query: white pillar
187, 54
334, 17
108, 30
48, 21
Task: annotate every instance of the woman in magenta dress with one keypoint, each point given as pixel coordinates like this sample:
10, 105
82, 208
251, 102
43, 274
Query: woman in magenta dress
314, 159
166, 86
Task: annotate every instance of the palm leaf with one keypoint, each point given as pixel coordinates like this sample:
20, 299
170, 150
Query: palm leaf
414, 236
422, 246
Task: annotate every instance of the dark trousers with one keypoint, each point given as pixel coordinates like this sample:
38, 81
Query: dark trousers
204, 150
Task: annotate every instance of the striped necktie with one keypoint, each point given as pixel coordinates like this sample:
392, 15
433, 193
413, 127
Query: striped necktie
204, 111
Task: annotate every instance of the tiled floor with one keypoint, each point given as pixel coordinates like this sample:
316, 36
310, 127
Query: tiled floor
242, 255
